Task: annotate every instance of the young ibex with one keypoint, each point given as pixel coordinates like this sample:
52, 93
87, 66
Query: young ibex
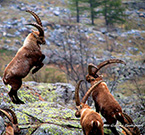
91, 121
27, 57
104, 101
11, 127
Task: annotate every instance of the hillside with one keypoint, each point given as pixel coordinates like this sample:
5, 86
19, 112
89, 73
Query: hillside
123, 41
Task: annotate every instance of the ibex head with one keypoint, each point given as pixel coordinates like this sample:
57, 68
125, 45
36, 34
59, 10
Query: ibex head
12, 126
93, 69
81, 105
90, 120
38, 35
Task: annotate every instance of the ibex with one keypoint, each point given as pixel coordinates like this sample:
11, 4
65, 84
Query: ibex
104, 101
11, 127
27, 57
130, 126
90, 121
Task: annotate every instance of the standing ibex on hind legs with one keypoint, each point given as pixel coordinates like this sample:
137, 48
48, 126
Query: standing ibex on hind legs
27, 57
91, 121
104, 101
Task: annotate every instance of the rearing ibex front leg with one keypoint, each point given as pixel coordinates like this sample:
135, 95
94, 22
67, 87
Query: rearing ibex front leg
39, 65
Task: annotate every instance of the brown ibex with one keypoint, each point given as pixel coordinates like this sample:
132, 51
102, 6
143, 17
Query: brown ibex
27, 57
12, 126
90, 121
104, 101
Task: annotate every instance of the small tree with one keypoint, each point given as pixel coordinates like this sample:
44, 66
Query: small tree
113, 11
74, 7
93, 7
73, 54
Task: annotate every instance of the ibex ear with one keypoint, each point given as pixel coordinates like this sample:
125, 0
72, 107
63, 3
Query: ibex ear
36, 36
101, 76
39, 41
77, 114
88, 78
81, 106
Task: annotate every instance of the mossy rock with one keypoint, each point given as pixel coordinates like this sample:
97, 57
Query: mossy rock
52, 129
51, 114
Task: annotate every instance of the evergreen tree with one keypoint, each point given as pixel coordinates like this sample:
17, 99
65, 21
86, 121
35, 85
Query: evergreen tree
74, 7
93, 6
113, 11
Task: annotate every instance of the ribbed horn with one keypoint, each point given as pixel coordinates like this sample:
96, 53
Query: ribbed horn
90, 66
128, 118
130, 122
84, 99
7, 115
40, 29
13, 115
35, 16
102, 64
77, 98
126, 130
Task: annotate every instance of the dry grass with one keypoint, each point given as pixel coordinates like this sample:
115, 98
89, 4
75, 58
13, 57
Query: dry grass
130, 87
49, 74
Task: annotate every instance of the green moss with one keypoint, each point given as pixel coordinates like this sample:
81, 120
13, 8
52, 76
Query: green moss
107, 131
22, 118
48, 113
6, 52
55, 130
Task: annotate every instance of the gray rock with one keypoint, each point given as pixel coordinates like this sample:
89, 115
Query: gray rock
101, 39
57, 13
2, 125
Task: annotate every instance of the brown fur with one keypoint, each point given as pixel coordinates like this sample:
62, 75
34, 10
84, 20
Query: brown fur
104, 101
12, 126
9, 129
14, 120
90, 121
27, 57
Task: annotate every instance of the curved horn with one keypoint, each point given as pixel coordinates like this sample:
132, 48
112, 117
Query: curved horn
130, 122
84, 99
90, 66
126, 130
13, 115
40, 29
102, 64
128, 118
77, 98
7, 115
35, 16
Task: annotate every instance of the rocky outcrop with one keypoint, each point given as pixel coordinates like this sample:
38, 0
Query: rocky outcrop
48, 109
